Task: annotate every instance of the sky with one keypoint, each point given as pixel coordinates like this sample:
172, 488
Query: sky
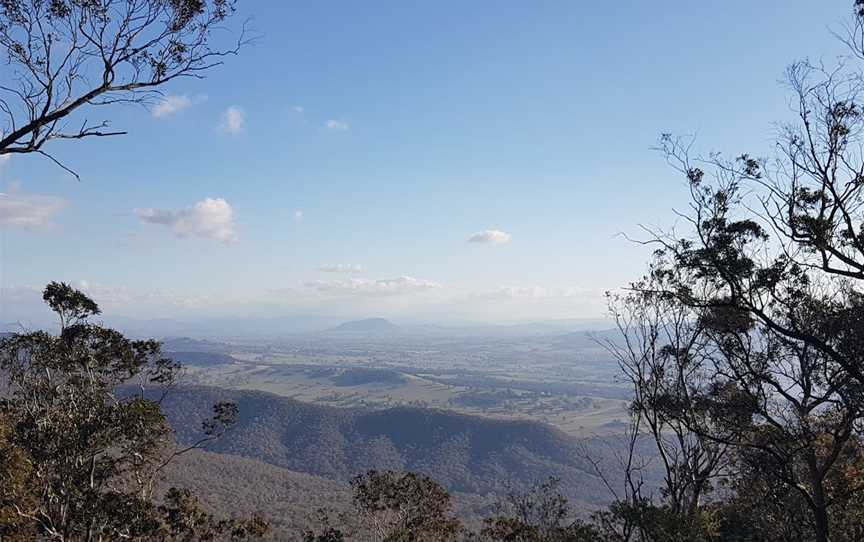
432, 162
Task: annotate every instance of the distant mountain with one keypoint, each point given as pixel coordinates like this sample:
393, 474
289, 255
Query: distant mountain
369, 325
466, 453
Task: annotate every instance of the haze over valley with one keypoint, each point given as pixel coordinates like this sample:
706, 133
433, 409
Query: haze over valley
542, 373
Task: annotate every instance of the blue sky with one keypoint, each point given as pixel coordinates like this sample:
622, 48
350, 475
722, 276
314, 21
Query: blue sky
341, 163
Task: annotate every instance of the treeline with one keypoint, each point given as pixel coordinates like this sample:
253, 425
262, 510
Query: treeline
391, 507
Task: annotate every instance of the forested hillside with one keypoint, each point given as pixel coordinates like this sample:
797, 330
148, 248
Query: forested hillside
465, 453
231, 485
291, 502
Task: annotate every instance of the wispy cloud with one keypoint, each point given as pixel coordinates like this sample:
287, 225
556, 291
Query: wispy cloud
103, 293
297, 109
29, 211
341, 268
337, 125
299, 215
233, 120
211, 218
170, 105
540, 292
490, 237
374, 288
123, 295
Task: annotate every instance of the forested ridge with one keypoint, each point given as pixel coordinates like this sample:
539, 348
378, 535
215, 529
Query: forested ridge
465, 453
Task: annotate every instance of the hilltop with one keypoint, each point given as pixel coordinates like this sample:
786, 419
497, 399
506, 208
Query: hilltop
368, 325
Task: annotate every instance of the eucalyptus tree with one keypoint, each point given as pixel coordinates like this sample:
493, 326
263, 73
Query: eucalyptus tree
66, 60
403, 507
770, 266
81, 460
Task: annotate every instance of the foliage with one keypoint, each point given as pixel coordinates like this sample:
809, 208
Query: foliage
15, 473
405, 507
539, 514
766, 389
80, 462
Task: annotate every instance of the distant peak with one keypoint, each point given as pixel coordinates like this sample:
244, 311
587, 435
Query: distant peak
367, 325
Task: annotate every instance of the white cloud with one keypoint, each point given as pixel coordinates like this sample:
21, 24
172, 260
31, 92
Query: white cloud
30, 211
299, 215
376, 288
171, 104
490, 237
4, 158
233, 120
337, 125
211, 218
341, 268
297, 109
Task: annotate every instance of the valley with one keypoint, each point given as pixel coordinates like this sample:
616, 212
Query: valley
566, 380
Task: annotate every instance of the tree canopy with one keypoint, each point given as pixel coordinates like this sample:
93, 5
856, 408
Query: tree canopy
83, 451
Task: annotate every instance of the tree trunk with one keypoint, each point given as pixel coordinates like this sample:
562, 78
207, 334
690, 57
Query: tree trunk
820, 509
821, 524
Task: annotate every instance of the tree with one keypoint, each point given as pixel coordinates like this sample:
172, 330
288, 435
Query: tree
81, 458
762, 507
404, 507
68, 56
660, 353
539, 514
772, 270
